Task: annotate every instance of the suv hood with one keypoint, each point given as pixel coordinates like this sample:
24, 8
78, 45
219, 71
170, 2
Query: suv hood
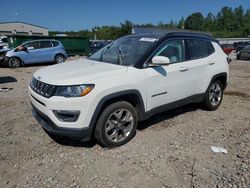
77, 72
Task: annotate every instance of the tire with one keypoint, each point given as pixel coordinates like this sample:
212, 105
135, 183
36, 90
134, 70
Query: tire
213, 96
116, 125
14, 62
59, 58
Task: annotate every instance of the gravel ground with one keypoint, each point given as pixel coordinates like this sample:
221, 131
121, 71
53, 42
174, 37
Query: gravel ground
171, 149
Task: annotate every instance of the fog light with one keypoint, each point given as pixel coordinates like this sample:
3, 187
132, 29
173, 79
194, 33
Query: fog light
67, 115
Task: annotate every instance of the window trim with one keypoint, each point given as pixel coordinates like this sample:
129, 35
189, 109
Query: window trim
146, 63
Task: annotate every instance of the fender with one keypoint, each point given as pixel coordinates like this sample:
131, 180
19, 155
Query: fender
224, 75
116, 96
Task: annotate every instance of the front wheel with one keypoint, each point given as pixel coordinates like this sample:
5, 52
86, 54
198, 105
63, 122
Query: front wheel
116, 125
213, 95
14, 62
59, 58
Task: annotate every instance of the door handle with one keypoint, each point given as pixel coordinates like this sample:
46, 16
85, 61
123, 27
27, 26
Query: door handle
183, 69
211, 63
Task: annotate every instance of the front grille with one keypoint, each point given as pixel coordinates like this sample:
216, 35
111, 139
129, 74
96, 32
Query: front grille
42, 88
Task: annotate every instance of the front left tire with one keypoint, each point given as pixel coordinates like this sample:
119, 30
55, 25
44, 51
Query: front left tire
116, 125
14, 62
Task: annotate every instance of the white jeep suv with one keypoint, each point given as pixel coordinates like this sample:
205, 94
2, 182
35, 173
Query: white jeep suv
105, 95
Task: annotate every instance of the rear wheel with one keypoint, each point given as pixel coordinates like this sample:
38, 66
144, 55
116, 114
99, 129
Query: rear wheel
59, 58
14, 62
116, 125
213, 95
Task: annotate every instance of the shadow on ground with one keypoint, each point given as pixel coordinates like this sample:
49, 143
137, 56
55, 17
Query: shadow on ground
70, 142
7, 79
141, 126
167, 115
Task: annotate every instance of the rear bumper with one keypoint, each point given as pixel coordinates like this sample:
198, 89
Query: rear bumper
83, 134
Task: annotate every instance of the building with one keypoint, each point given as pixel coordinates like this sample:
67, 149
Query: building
22, 28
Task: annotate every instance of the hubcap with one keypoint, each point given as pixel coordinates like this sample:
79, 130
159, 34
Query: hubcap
15, 62
59, 59
215, 94
119, 125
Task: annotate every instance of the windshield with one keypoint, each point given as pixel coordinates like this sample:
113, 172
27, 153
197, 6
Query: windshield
124, 51
247, 47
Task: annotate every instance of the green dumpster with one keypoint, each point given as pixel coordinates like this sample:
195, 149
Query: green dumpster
73, 45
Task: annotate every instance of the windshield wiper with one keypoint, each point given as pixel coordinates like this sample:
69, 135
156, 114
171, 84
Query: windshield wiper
104, 51
120, 55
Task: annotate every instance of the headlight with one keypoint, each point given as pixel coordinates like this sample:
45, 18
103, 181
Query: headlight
74, 91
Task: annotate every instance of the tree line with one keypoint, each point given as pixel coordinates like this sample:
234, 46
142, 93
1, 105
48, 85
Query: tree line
227, 23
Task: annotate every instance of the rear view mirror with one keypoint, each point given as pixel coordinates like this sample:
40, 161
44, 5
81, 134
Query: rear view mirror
160, 60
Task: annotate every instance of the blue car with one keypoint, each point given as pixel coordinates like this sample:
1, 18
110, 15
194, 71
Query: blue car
36, 51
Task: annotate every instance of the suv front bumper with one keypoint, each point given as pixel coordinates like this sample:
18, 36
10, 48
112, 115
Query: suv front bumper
83, 134
43, 109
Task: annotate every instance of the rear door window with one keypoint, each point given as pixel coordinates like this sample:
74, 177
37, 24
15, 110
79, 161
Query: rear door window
199, 48
45, 44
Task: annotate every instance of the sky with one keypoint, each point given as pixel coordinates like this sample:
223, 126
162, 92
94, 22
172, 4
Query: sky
65, 15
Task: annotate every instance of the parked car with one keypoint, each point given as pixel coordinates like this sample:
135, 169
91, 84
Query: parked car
3, 41
129, 80
227, 48
244, 53
3, 51
240, 45
36, 51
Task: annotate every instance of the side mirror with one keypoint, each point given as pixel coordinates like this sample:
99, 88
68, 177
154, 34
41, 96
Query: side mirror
160, 60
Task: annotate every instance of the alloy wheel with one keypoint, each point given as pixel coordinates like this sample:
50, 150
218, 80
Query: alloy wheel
215, 94
14, 62
59, 59
119, 125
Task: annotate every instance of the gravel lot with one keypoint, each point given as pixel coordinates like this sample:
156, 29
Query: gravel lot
171, 149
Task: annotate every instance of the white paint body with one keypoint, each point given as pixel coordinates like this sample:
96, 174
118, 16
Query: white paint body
179, 80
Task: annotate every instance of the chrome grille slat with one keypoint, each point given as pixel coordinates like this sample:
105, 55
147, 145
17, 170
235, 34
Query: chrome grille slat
42, 88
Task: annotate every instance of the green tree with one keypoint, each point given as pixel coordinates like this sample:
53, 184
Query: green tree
209, 22
195, 22
239, 14
246, 25
226, 20
181, 23
126, 28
